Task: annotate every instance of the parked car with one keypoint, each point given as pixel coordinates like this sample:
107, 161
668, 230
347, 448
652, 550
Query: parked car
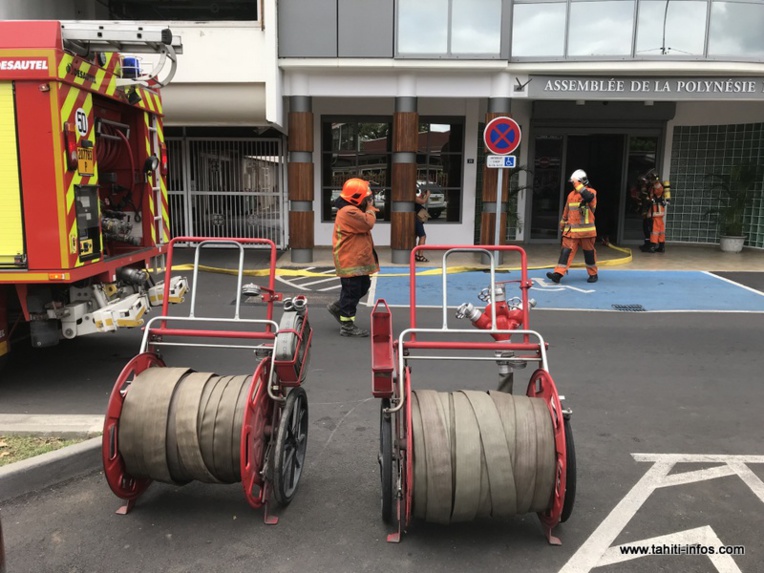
437, 203
379, 201
232, 215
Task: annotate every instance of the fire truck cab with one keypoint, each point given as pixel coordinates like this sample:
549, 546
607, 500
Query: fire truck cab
83, 197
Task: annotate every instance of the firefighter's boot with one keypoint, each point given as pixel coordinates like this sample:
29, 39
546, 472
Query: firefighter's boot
647, 248
349, 328
661, 248
554, 277
334, 310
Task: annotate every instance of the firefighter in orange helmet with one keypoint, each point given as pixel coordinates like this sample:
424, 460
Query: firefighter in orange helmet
578, 228
353, 249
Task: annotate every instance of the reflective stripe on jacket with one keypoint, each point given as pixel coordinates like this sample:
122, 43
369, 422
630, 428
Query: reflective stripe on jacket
352, 245
577, 220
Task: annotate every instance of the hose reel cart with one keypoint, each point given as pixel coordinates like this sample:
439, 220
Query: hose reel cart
177, 425
457, 456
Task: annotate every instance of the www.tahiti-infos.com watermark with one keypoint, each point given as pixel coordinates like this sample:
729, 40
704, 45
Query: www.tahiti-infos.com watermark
682, 549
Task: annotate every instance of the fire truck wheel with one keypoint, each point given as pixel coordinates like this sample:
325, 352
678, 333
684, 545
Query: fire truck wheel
291, 443
570, 473
386, 461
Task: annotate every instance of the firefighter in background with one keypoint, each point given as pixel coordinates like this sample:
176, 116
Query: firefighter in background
353, 249
660, 197
578, 228
640, 195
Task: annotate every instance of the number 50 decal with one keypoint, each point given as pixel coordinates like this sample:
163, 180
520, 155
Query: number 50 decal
82, 122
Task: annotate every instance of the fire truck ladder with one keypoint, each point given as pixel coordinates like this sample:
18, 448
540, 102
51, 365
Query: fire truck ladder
156, 188
86, 38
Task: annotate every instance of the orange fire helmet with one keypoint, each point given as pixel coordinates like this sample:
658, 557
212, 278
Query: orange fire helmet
355, 190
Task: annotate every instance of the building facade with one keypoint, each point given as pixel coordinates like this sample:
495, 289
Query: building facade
279, 102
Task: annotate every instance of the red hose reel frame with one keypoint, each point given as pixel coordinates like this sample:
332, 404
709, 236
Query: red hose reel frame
542, 386
261, 415
260, 418
120, 481
384, 351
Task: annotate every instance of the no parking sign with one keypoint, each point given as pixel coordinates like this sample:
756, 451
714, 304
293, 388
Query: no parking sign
502, 135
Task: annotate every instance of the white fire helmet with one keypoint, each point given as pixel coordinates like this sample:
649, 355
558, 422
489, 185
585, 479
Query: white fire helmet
579, 175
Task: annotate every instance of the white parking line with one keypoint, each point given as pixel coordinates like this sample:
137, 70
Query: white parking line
753, 290
598, 549
319, 281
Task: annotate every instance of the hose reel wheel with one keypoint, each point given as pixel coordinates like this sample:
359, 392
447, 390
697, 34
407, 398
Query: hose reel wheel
385, 458
290, 447
570, 473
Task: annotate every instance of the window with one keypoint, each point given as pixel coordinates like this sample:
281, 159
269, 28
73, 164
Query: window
639, 29
671, 28
193, 10
538, 30
363, 148
356, 148
736, 30
439, 167
601, 28
453, 28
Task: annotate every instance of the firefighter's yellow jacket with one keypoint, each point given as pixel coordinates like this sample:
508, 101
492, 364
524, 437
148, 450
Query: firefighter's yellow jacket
577, 219
352, 245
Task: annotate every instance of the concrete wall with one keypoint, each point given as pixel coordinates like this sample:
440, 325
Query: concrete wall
227, 75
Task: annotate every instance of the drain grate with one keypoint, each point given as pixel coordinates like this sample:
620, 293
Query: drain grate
629, 307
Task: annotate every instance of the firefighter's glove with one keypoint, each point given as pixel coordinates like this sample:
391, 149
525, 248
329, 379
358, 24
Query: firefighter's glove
586, 196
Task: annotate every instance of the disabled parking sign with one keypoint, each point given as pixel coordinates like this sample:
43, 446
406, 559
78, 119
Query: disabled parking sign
502, 135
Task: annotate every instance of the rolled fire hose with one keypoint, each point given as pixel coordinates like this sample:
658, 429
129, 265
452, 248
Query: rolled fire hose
286, 347
480, 454
178, 426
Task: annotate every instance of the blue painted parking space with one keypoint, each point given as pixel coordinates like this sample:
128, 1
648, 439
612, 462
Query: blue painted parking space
616, 290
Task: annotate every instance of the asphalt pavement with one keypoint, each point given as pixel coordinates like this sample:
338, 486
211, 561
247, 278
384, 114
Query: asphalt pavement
667, 425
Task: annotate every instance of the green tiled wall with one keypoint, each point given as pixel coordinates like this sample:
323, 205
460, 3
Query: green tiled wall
698, 151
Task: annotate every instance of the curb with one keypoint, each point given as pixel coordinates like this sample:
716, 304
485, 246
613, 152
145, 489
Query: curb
46, 470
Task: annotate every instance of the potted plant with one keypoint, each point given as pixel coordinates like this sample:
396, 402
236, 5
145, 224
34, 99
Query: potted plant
736, 190
514, 220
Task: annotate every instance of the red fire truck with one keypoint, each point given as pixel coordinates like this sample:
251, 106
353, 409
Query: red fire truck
83, 196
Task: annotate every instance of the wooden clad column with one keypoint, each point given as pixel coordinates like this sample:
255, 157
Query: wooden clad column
497, 107
405, 141
300, 180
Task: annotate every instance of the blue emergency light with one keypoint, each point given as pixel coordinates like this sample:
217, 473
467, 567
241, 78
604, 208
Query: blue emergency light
131, 67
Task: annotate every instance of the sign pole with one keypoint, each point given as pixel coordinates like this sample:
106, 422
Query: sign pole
501, 136
497, 222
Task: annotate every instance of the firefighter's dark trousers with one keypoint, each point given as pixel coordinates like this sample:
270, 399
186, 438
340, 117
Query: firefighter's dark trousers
353, 290
647, 228
569, 247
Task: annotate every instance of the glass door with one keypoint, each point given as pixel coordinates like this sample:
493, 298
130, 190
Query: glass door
642, 154
547, 187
